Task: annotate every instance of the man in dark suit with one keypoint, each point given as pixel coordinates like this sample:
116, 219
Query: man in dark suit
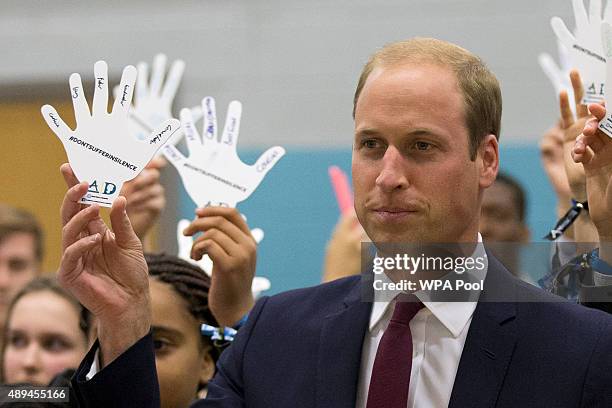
427, 119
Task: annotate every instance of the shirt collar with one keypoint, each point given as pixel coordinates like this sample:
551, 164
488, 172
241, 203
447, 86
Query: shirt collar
453, 315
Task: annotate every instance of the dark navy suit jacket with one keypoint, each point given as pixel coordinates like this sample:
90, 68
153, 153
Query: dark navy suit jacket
303, 349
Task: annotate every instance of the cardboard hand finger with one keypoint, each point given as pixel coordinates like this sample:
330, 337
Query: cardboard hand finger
256, 233
260, 284
55, 123
552, 72
558, 75
100, 100
123, 101
184, 242
209, 113
229, 138
607, 14
190, 133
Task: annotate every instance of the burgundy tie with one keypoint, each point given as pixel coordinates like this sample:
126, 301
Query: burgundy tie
391, 373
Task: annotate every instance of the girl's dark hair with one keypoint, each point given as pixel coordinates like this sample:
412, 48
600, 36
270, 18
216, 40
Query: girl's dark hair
42, 284
190, 282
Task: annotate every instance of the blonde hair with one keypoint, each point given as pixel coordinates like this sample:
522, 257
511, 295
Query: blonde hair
480, 88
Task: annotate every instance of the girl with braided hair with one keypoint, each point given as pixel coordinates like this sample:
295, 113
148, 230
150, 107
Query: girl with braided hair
184, 358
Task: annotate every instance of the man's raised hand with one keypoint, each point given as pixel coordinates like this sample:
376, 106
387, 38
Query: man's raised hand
104, 269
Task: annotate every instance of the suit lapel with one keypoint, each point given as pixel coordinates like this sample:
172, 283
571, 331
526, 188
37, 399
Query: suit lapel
339, 357
489, 344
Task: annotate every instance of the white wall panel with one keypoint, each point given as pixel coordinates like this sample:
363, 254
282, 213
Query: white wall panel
294, 64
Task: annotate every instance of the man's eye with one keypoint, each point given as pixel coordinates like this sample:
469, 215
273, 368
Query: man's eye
423, 146
370, 144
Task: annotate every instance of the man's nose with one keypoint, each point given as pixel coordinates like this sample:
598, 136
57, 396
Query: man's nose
393, 173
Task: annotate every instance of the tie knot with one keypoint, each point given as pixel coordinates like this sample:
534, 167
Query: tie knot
406, 307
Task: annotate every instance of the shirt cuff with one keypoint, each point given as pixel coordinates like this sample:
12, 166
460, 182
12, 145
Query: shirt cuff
94, 366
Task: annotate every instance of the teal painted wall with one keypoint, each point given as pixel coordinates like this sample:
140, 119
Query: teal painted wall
296, 208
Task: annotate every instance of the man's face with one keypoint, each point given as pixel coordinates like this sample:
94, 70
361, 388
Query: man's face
500, 219
18, 265
412, 174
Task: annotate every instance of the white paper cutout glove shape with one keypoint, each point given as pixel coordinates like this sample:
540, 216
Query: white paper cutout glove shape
213, 174
605, 125
153, 99
101, 150
558, 75
185, 243
584, 48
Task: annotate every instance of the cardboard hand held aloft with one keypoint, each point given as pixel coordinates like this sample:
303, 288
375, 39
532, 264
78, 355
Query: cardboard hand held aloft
101, 149
153, 98
585, 47
213, 174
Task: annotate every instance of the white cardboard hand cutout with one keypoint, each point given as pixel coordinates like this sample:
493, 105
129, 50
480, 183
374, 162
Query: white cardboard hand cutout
152, 101
584, 47
213, 174
605, 125
558, 75
101, 150
259, 284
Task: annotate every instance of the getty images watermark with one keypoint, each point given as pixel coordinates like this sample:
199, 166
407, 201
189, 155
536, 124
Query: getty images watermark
440, 272
488, 272
431, 273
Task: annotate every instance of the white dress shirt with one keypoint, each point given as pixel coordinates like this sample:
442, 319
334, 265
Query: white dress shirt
438, 331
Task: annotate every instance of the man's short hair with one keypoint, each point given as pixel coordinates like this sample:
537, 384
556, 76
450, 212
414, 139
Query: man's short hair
519, 200
14, 220
480, 89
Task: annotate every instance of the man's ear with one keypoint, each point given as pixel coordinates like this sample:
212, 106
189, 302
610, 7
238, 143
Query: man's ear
488, 159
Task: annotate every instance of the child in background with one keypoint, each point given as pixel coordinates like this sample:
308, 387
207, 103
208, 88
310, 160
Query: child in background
46, 332
184, 358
